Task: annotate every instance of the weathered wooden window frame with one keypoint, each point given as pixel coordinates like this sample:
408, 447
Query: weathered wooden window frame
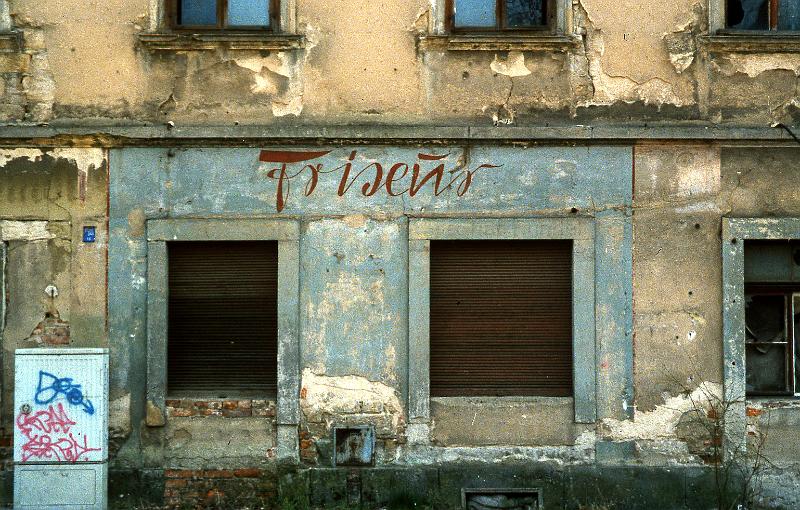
171, 15
557, 10
283, 19
550, 14
579, 230
718, 23
287, 233
735, 232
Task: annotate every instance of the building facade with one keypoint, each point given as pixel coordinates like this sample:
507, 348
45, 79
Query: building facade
451, 253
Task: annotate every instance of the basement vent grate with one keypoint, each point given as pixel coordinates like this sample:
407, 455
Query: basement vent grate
501, 499
353, 446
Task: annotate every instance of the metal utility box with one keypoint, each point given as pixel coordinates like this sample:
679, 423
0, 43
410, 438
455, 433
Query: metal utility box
60, 428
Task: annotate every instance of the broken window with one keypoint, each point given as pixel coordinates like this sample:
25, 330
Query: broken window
222, 319
501, 318
772, 317
219, 14
498, 14
763, 14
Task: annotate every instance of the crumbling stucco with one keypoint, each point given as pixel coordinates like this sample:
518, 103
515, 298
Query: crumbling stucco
350, 399
661, 422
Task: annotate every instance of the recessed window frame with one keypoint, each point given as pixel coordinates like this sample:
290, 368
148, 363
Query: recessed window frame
558, 16
579, 230
550, 11
735, 233
718, 23
287, 233
171, 16
790, 292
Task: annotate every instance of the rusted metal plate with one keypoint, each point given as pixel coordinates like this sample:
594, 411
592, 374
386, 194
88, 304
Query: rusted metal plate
501, 318
223, 304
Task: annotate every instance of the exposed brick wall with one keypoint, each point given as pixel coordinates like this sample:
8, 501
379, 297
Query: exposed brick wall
225, 408
219, 488
52, 331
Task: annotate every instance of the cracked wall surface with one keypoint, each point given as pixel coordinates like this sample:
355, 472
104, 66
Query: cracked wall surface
46, 198
628, 61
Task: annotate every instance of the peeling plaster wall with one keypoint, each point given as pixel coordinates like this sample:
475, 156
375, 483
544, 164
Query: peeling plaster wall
353, 262
682, 193
46, 198
630, 61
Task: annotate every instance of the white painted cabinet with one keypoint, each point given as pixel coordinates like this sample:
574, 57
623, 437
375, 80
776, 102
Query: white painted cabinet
60, 428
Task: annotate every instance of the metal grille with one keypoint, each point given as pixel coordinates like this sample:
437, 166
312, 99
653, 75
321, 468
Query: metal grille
501, 318
223, 327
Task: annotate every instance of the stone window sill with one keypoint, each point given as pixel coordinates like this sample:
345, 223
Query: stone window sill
499, 42
183, 41
757, 42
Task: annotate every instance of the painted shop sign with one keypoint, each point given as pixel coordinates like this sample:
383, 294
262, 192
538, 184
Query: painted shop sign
429, 172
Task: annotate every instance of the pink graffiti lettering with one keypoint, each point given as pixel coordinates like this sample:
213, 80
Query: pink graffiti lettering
49, 438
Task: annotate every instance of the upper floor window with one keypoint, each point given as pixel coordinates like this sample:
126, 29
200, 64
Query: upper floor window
499, 15
224, 14
763, 14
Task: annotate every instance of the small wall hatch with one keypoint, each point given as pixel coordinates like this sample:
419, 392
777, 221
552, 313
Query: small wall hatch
353, 446
501, 499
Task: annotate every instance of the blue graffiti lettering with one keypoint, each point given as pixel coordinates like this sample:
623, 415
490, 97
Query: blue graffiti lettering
50, 387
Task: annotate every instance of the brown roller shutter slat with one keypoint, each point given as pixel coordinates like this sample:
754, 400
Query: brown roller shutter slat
223, 319
501, 318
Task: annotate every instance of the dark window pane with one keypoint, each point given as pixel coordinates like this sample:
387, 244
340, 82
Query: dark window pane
475, 13
524, 13
197, 12
748, 14
248, 13
789, 15
796, 313
765, 334
765, 317
766, 368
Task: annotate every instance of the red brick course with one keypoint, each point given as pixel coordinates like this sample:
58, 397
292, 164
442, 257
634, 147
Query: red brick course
185, 408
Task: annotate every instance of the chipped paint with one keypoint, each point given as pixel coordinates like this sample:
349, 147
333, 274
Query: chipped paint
11, 230
662, 421
512, 66
327, 399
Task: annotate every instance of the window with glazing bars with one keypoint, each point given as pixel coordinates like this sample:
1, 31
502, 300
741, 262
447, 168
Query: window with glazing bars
772, 317
763, 14
498, 15
224, 14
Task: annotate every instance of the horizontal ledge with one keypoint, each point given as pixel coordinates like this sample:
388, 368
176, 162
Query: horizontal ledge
13, 135
761, 42
484, 42
175, 41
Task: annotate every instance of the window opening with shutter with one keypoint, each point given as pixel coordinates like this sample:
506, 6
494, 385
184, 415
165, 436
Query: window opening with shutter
223, 328
501, 318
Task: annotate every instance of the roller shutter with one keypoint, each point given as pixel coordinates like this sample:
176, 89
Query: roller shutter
223, 328
501, 318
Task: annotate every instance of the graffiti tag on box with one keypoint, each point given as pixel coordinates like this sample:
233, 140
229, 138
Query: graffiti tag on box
395, 178
50, 434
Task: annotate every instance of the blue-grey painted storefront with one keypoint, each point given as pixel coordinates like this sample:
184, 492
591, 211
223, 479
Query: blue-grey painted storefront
340, 250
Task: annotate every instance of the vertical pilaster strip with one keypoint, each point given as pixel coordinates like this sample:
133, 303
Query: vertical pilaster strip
419, 262
157, 303
733, 344
288, 406
583, 329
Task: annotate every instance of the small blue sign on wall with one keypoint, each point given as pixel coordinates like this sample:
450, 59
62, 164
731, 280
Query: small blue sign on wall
89, 234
